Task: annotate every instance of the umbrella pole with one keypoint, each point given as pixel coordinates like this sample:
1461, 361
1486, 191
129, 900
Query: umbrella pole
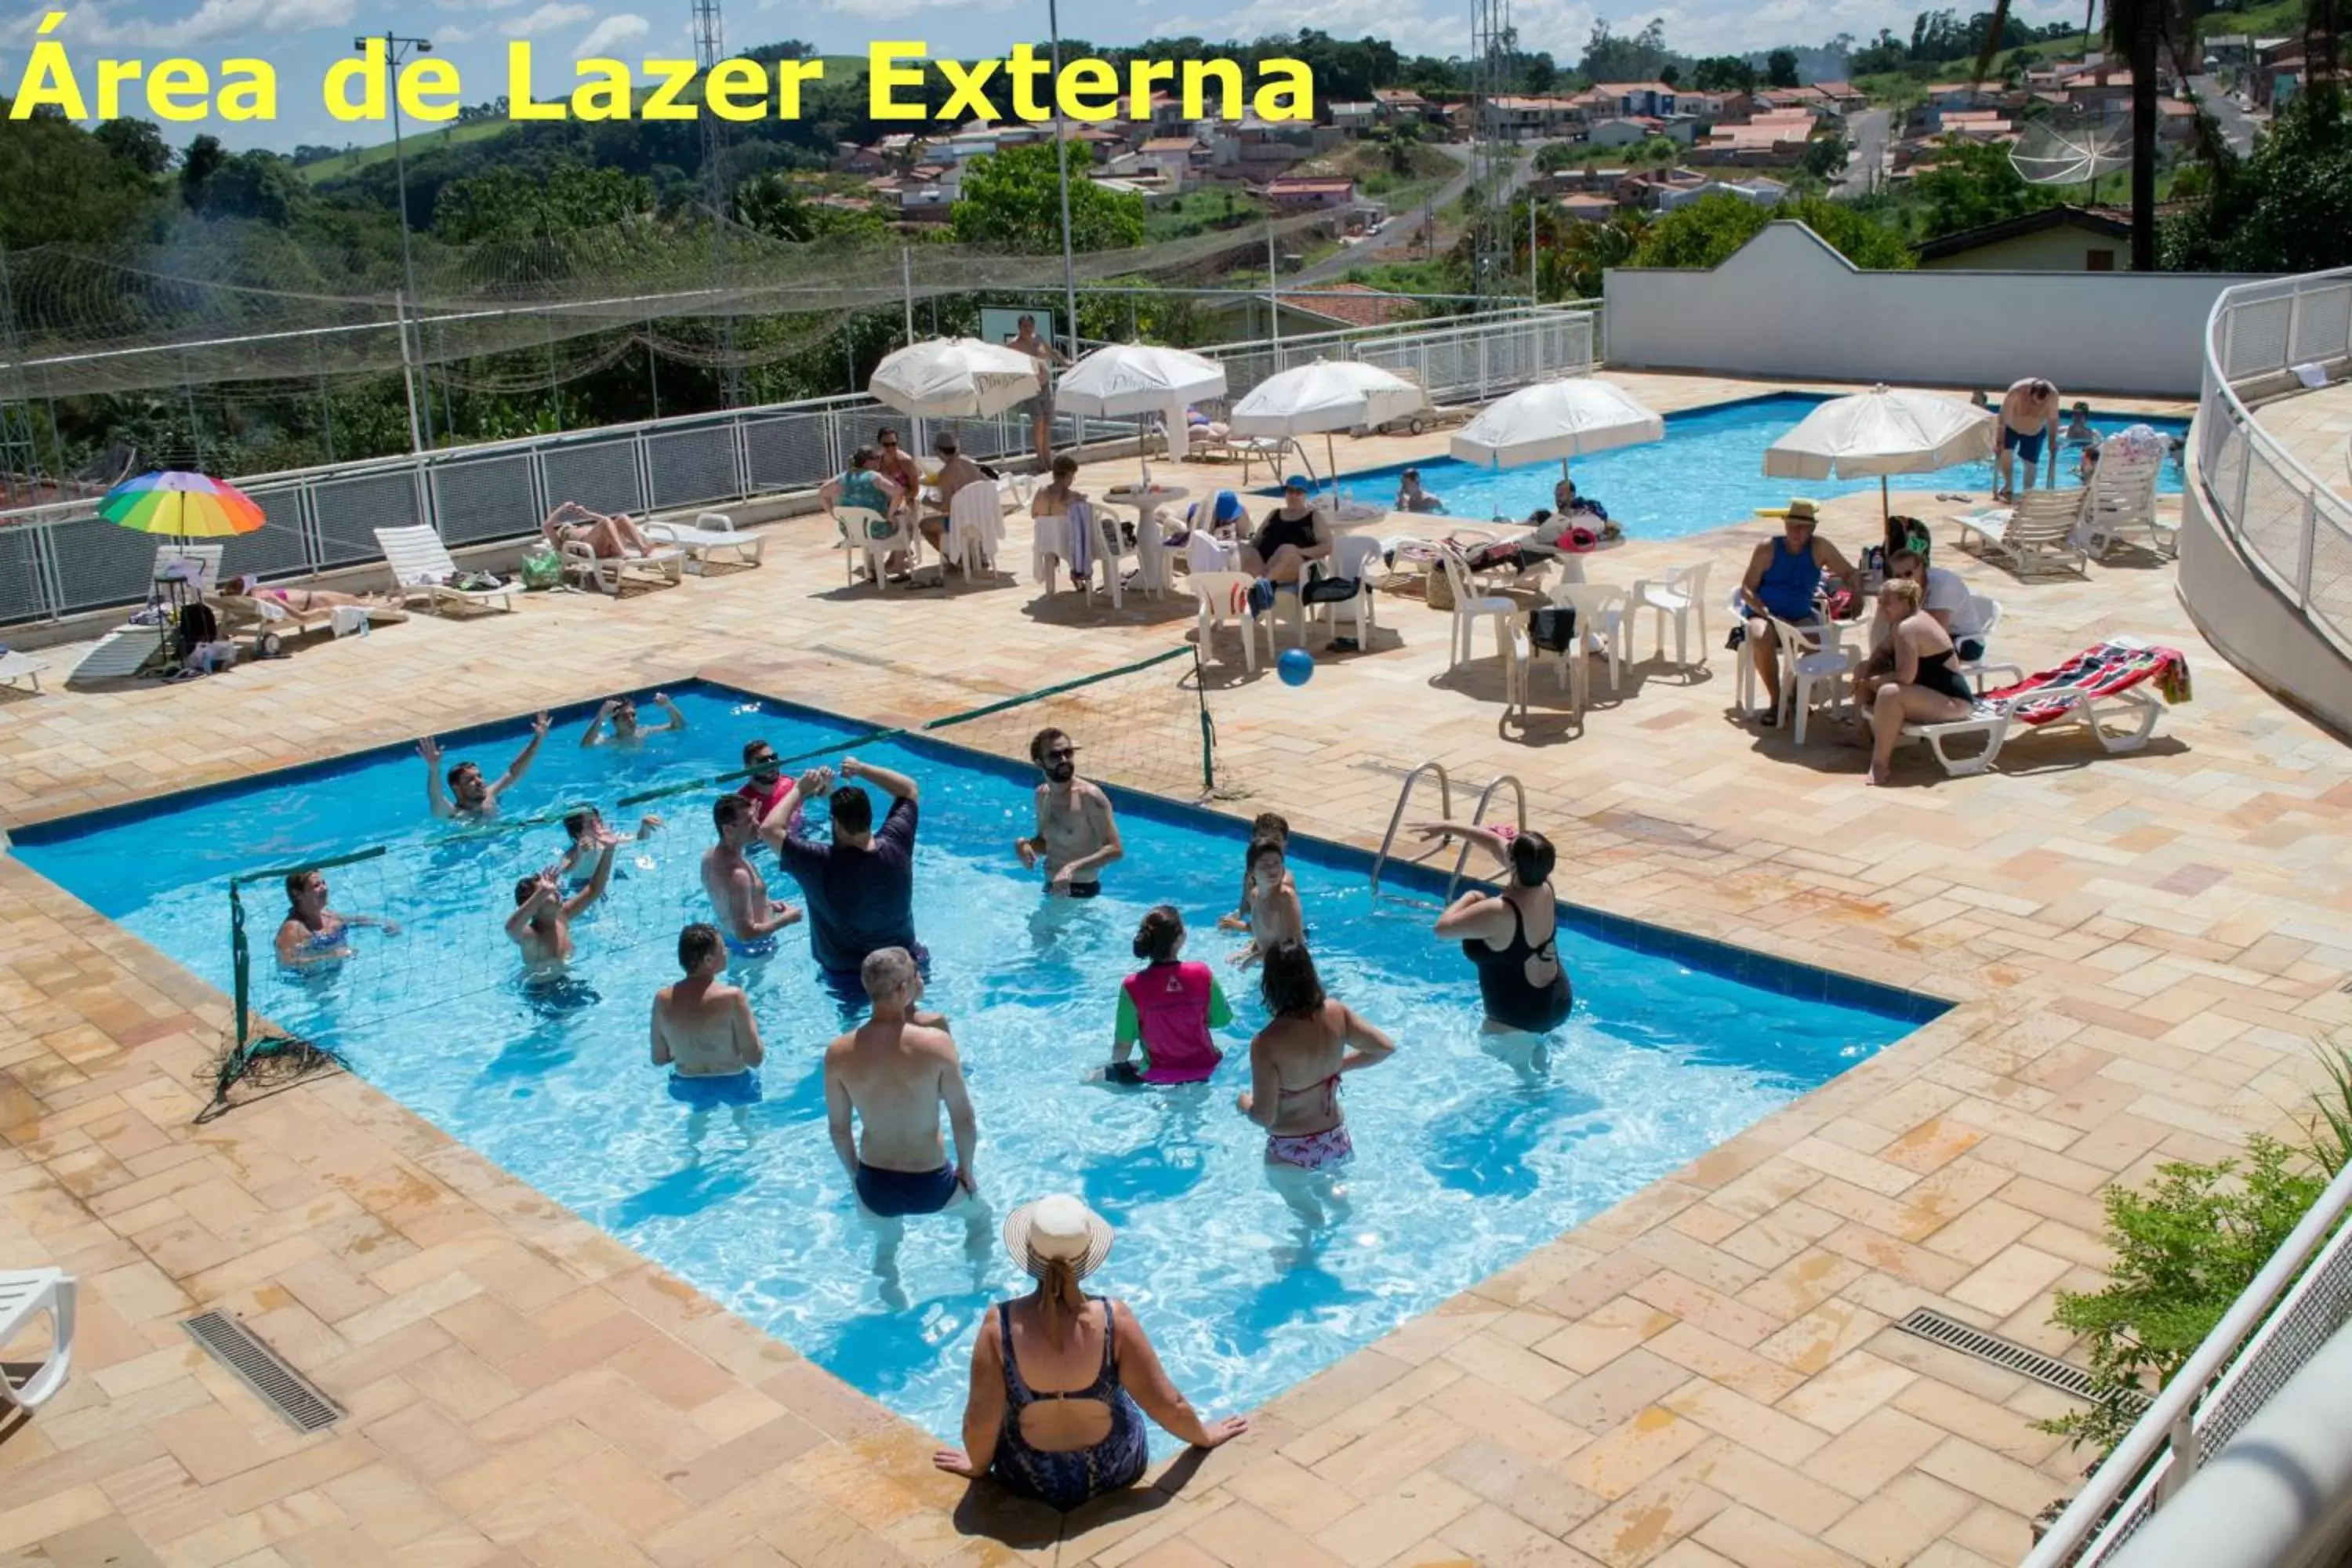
1885, 508
1331, 459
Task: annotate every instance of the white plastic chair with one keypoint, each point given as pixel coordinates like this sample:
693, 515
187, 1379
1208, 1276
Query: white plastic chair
1470, 606
1110, 551
2121, 503
1988, 617
867, 532
1603, 612
605, 574
1813, 655
1353, 555
1678, 597
421, 567
24, 1294
975, 529
1224, 600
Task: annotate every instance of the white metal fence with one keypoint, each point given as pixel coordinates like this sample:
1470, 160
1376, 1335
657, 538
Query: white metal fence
63, 560
2285, 518
2302, 1296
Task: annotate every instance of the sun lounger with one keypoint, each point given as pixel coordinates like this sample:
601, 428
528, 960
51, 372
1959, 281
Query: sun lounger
1242, 450
16, 667
2121, 505
2037, 532
421, 569
2103, 690
711, 533
120, 654
25, 1294
606, 573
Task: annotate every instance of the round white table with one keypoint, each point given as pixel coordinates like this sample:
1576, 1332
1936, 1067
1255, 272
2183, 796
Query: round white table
1147, 502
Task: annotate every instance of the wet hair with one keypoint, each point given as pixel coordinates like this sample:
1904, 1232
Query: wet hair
1413, 473
1160, 935
524, 888
728, 810
1270, 825
1895, 563
853, 810
1532, 858
1041, 740
1904, 589
1258, 851
576, 823
887, 972
753, 748
462, 768
696, 944
1290, 985
1065, 468
863, 457
296, 882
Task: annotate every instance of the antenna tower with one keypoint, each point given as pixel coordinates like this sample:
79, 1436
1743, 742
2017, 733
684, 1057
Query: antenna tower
1494, 74
709, 48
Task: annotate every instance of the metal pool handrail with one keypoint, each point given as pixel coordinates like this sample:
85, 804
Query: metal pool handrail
1479, 818
1444, 810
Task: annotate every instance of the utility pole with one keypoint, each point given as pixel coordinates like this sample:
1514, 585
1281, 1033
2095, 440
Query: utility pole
1273, 294
709, 48
395, 49
1062, 162
1492, 70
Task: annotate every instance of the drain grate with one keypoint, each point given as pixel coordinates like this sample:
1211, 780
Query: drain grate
1952, 1335
282, 1388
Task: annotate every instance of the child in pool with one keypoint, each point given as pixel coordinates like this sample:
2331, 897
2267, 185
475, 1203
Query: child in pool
1168, 1007
1266, 825
1274, 913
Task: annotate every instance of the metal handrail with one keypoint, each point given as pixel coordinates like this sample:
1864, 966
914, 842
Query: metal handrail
1444, 810
2167, 1433
1478, 819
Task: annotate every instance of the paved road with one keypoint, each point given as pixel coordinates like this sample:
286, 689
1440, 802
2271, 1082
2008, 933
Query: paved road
2236, 128
1867, 134
1400, 230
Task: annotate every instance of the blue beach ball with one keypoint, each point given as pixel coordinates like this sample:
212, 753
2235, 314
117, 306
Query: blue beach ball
1296, 667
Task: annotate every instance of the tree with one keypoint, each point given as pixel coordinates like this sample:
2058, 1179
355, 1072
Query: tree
506, 205
1825, 156
1590, 249
260, 186
1780, 68
774, 205
2286, 209
135, 143
1723, 73
60, 184
1971, 184
1709, 230
1609, 58
1670, 74
198, 164
1011, 199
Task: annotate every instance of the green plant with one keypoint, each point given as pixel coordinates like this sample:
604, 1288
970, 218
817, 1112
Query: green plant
2327, 1130
2184, 1249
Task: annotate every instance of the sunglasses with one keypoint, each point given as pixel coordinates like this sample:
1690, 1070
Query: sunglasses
1061, 754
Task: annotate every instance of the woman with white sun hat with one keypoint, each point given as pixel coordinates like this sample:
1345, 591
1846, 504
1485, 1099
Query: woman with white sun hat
1058, 1376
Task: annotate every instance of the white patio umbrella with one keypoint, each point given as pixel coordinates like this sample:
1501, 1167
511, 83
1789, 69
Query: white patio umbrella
954, 378
1883, 431
1127, 381
1560, 419
1325, 396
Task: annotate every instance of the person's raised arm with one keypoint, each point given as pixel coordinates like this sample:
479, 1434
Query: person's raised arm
1263, 1099
595, 733
435, 796
1474, 914
983, 1410
1365, 1044
518, 922
522, 764
1484, 837
661, 1041
810, 786
837, 1119
597, 883
897, 785
747, 1033
961, 1120
675, 725
1140, 1374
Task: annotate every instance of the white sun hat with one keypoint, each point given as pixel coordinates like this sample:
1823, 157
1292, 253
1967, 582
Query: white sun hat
1059, 1227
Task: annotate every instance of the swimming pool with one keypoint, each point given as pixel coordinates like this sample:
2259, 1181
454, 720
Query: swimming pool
1468, 1157
1707, 472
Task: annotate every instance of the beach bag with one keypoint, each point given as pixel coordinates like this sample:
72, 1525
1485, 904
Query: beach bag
1330, 590
542, 569
1436, 587
1552, 629
195, 626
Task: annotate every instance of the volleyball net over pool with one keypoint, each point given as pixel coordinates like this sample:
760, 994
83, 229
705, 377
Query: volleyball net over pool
1145, 726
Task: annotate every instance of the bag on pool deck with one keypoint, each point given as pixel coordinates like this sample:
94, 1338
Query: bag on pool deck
1330, 590
542, 569
1436, 587
1552, 629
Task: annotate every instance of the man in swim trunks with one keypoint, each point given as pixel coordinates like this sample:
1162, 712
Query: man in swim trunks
1040, 406
701, 1029
313, 933
621, 714
860, 888
2029, 422
1293, 535
541, 922
748, 918
468, 794
1078, 832
767, 783
893, 1074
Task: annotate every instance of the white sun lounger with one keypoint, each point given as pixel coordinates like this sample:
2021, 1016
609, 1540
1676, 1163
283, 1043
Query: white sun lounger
24, 1294
711, 533
2036, 532
606, 573
16, 667
2120, 721
120, 654
421, 569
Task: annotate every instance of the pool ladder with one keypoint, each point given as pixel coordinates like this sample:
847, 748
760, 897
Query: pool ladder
1445, 813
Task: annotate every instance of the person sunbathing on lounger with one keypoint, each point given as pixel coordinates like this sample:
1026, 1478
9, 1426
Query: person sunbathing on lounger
611, 538
302, 600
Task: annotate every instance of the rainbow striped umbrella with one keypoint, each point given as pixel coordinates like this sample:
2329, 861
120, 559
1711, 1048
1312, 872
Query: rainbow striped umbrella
187, 506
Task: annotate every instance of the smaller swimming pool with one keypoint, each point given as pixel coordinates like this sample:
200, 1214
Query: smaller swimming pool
1707, 473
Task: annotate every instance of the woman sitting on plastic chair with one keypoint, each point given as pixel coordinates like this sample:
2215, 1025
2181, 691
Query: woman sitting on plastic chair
1926, 687
1294, 535
863, 484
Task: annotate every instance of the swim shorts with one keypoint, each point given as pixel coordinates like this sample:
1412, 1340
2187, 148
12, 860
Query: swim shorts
2027, 447
1312, 1151
706, 1091
891, 1194
757, 947
1083, 891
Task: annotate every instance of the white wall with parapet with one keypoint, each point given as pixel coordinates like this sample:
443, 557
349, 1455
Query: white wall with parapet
1789, 305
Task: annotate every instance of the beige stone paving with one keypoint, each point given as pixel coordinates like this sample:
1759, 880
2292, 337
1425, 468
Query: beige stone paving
2142, 948
2316, 426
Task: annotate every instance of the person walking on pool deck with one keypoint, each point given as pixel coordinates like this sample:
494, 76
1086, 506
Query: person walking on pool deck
748, 917
541, 922
893, 1074
1168, 1007
1078, 832
468, 794
860, 888
2029, 422
703, 1031
1061, 1380
313, 933
1038, 405
1783, 576
1511, 938
1296, 1061
620, 714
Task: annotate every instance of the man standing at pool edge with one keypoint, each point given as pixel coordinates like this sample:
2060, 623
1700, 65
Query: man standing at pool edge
2029, 422
1078, 832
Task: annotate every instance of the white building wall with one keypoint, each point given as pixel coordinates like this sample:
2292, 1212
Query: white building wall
1789, 305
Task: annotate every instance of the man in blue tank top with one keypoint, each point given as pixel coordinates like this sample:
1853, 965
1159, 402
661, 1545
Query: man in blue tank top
1784, 577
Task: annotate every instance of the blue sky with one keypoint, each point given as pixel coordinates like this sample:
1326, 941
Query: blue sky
302, 37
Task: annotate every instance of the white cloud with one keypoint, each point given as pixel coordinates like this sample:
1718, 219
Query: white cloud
611, 33
886, 9
214, 19
454, 35
555, 14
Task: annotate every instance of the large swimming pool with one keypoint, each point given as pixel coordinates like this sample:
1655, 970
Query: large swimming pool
1468, 1156
1707, 473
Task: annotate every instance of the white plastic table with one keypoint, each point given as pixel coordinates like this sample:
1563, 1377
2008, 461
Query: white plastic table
1147, 503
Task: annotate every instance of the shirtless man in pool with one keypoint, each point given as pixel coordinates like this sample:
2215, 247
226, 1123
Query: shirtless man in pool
702, 1028
470, 794
2029, 423
1077, 833
748, 918
541, 922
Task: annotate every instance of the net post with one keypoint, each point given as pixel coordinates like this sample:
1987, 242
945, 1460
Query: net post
1208, 727
240, 955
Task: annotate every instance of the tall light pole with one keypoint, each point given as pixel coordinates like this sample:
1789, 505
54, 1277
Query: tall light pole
1062, 161
395, 49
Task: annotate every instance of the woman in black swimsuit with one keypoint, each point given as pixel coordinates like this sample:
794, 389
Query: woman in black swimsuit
1927, 686
1511, 938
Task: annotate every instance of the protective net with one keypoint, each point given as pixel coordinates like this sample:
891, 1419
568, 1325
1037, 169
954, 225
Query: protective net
228, 301
421, 932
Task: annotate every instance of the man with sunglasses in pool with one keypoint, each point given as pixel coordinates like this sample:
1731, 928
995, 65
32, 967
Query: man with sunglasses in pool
468, 794
1078, 832
766, 785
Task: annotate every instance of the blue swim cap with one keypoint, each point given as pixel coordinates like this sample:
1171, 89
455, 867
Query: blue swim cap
1295, 482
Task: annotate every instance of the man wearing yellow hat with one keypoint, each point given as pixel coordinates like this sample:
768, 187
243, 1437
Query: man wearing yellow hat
1783, 580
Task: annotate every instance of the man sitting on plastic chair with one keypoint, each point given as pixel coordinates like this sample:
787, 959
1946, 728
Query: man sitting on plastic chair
1784, 575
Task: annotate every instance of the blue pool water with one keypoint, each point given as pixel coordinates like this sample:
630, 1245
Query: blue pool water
1707, 472
1468, 1156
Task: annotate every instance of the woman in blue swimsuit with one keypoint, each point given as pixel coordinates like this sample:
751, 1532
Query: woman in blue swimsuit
1061, 1380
